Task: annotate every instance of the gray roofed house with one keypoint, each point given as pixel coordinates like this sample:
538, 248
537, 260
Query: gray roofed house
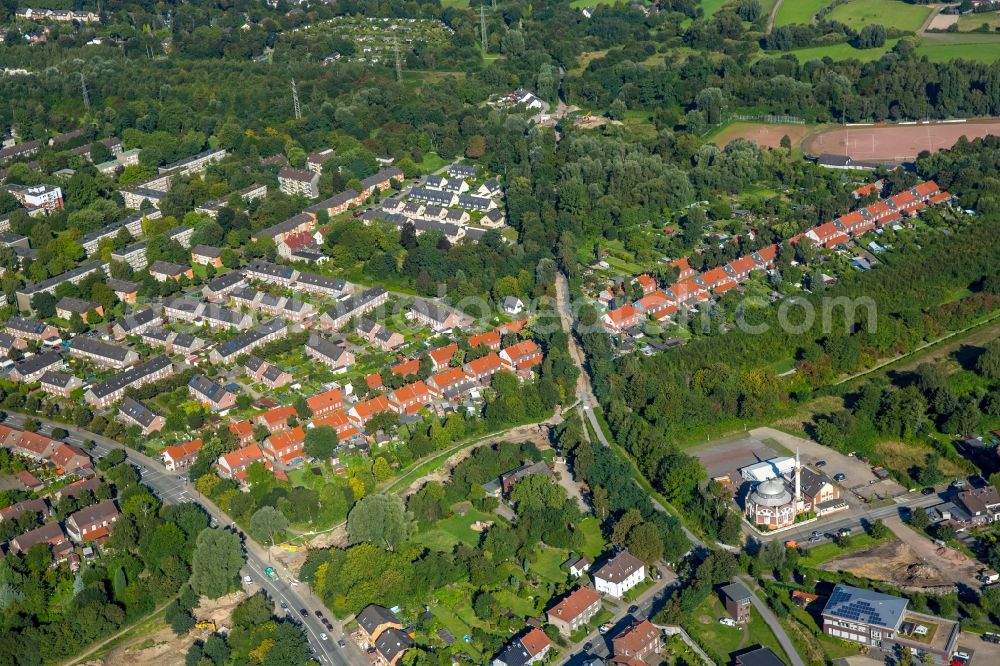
102, 353
266, 271
463, 171
136, 323
619, 574
761, 656
74, 306
300, 222
374, 619
214, 395
320, 284
472, 202
392, 643
113, 389
248, 341
124, 289
73, 276
438, 197
187, 343
336, 204
334, 355
9, 342
355, 306
59, 383
493, 218
206, 251
222, 285
31, 369
9, 239
163, 270
134, 412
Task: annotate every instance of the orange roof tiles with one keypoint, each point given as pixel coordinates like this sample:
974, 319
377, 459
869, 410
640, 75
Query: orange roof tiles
407, 367
185, 450
577, 602
369, 408
442, 355
374, 380
491, 340
277, 417
325, 401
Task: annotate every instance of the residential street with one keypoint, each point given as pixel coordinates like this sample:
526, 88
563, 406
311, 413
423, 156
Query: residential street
772, 622
173, 488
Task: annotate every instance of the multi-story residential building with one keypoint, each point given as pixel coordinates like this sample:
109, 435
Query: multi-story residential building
619, 574
166, 270
333, 355
441, 356
391, 645
92, 523
233, 465
246, 342
299, 182
61, 384
8, 343
265, 271
531, 648
218, 317
484, 367
219, 288
355, 306
212, 395
267, 373
737, 599
131, 224
435, 197
32, 368
247, 194
637, 642
126, 290
183, 309
133, 412
301, 223
74, 276
196, 163
378, 335
575, 610
181, 455
521, 356
41, 198
438, 318
321, 285
381, 181
316, 160
31, 329
68, 306
101, 353
50, 534
206, 255
336, 204
286, 448
133, 254
411, 398
325, 403
152, 189
112, 390
136, 324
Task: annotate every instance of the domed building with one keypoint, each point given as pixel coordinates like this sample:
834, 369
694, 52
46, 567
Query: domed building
771, 505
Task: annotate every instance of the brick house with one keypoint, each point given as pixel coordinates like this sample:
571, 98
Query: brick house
574, 611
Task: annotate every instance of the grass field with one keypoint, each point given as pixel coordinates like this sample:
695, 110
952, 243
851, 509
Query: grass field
580, 4
972, 22
457, 4
431, 162
827, 551
547, 565
712, 6
859, 13
721, 641
985, 51
798, 11
842, 52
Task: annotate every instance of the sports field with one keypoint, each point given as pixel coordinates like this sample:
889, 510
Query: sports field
890, 13
763, 134
896, 142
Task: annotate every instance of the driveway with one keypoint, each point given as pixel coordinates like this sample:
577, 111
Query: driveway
772, 622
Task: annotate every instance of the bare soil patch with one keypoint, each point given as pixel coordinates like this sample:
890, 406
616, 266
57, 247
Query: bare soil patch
892, 562
765, 135
896, 143
942, 21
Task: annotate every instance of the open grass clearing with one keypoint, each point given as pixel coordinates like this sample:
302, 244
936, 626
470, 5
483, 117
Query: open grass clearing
817, 555
842, 52
893, 13
986, 51
712, 6
799, 11
580, 4
973, 22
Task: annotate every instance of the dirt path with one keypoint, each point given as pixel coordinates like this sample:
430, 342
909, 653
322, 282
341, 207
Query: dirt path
773, 16
955, 566
82, 658
990, 329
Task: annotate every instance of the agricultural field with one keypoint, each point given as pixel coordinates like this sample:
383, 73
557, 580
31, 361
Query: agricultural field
973, 22
580, 4
843, 52
798, 11
980, 47
890, 13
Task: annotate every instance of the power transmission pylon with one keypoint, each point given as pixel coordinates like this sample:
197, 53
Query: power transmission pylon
86, 95
482, 24
399, 63
295, 101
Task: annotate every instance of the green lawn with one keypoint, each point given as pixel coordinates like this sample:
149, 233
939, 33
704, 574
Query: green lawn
593, 544
515, 602
580, 4
829, 550
547, 565
458, 4
983, 48
431, 162
798, 11
452, 530
712, 6
842, 52
893, 13
718, 640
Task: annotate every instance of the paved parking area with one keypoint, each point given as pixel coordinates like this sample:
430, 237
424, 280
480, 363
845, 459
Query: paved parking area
860, 478
726, 458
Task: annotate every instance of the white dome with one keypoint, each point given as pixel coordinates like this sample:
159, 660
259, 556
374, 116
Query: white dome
770, 493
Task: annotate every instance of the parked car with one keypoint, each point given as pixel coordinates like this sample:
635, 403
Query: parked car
727, 621
844, 531
927, 491
839, 476
341, 643
323, 637
820, 463
248, 580
303, 612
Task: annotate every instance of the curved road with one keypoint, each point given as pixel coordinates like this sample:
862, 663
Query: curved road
174, 488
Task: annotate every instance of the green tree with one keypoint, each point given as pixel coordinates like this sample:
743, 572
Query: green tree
378, 519
266, 523
218, 557
321, 442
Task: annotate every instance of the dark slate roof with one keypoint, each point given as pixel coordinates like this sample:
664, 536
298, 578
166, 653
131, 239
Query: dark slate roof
138, 412
383, 175
26, 325
336, 200
131, 375
325, 348
167, 268
206, 387
393, 642
736, 591
184, 340
321, 281
90, 345
474, 202
285, 226
65, 277
761, 656
60, 379
225, 281
138, 319
207, 251
244, 340
30, 366
124, 286
372, 616
620, 567
267, 268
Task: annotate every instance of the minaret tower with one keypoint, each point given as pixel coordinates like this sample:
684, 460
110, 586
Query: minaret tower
798, 481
